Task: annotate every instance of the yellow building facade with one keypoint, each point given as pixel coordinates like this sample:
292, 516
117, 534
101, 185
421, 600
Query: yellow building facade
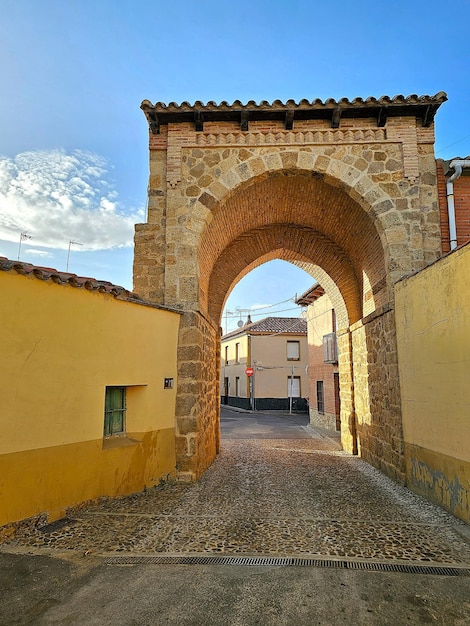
323, 371
433, 331
65, 344
276, 349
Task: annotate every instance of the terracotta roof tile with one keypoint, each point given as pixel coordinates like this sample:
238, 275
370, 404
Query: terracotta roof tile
66, 278
289, 104
274, 325
423, 107
313, 293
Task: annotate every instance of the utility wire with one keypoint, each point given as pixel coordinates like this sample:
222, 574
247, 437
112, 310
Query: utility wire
452, 144
268, 306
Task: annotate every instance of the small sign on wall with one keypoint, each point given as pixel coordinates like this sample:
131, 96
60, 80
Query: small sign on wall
168, 383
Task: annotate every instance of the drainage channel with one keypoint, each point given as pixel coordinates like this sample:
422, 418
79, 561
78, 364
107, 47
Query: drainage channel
404, 568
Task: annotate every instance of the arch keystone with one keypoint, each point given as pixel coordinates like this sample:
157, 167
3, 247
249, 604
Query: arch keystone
306, 160
273, 161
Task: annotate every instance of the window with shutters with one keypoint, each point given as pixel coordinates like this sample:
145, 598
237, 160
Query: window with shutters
293, 387
320, 397
115, 411
330, 348
293, 350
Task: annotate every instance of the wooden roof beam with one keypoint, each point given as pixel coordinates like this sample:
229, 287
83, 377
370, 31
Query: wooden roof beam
289, 121
382, 117
199, 121
336, 117
244, 120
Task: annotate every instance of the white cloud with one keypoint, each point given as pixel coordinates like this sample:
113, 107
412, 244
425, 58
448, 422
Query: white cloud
56, 197
40, 253
254, 307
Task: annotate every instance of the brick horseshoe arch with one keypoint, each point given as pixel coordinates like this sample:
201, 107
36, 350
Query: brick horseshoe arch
344, 189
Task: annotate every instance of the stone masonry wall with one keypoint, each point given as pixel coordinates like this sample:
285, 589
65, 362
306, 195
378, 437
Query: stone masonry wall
346, 388
197, 401
377, 394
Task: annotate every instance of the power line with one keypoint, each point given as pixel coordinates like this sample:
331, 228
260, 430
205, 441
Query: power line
268, 306
452, 144
281, 311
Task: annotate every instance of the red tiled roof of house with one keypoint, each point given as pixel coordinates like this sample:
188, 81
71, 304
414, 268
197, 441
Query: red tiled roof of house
66, 278
274, 325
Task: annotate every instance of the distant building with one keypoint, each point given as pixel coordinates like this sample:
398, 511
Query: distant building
453, 184
323, 374
276, 349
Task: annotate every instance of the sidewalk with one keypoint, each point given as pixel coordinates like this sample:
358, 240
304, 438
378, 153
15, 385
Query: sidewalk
278, 489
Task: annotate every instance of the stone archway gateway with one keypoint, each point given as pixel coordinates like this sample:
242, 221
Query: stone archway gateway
344, 189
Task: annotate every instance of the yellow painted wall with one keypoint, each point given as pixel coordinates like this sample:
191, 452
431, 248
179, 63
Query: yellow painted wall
271, 352
320, 323
232, 369
433, 331
60, 347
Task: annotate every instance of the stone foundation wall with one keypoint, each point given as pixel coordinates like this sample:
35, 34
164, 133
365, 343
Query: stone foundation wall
323, 420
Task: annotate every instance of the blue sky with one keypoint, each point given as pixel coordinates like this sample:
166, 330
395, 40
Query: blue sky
73, 141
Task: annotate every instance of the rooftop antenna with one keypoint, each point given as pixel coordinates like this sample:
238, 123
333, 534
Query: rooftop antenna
227, 313
71, 243
23, 236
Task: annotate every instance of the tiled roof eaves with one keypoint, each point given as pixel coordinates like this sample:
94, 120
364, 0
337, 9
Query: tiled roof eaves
278, 332
309, 296
446, 165
424, 107
66, 278
270, 326
359, 103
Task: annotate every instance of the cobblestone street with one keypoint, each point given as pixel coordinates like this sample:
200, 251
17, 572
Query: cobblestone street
278, 488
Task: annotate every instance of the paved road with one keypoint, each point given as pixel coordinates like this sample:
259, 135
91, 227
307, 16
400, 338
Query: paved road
236, 424
278, 490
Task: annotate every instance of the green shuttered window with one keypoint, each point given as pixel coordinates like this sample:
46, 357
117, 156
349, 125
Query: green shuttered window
115, 411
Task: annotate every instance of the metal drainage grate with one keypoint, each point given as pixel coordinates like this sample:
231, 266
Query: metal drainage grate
403, 568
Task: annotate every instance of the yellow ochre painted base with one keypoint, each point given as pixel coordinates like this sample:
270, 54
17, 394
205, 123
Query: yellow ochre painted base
49, 480
441, 479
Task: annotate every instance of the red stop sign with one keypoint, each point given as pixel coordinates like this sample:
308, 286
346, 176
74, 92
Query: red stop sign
249, 371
